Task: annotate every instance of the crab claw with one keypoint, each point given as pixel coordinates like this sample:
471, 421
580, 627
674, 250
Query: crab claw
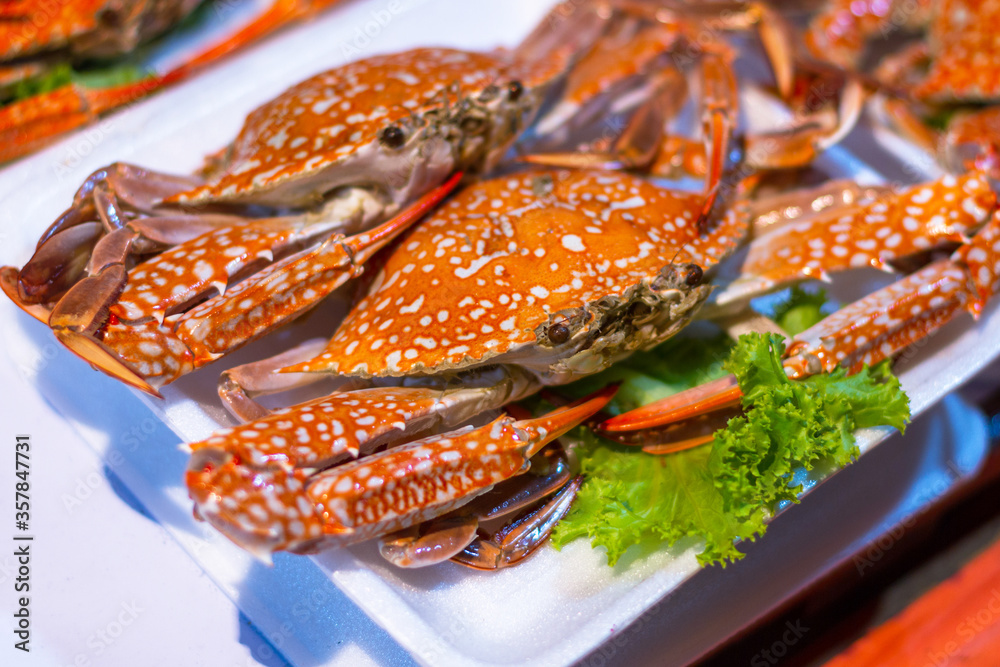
270, 508
263, 302
103, 359
8, 282
133, 325
543, 430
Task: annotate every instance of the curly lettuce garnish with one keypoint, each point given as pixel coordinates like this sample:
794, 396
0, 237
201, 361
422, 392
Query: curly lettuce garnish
724, 492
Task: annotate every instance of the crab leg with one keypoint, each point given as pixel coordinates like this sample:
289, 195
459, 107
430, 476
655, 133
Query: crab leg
775, 35
639, 144
430, 542
643, 144
107, 202
718, 122
276, 508
237, 384
885, 322
865, 332
833, 195
519, 538
870, 234
124, 184
614, 67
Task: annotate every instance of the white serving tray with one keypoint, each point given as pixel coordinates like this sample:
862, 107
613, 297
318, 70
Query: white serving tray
552, 610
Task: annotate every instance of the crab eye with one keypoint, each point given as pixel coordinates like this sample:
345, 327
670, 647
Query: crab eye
514, 90
558, 333
392, 137
693, 275
109, 17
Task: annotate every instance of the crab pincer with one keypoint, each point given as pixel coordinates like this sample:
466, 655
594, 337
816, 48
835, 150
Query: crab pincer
143, 331
266, 505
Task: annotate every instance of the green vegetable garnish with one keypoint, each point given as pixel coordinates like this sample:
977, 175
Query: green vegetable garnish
792, 424
800, 310
725, 491
92, 77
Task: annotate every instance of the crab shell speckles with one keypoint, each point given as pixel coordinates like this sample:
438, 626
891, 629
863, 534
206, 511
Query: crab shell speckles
372, 111
99, 28
514, 256
965, 55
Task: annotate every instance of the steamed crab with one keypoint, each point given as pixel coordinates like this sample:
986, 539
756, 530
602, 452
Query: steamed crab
518, 282
946, 76
336, 154
36, 37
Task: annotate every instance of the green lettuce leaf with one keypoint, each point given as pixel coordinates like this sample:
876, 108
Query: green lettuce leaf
632, 498
801, 309
104, 76
724, 492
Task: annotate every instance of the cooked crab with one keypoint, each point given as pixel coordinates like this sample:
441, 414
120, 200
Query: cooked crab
934, 87
335, 154
522, 281
338, 154
36, 37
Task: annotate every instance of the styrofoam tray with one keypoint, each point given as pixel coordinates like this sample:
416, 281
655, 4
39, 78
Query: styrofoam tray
551, 610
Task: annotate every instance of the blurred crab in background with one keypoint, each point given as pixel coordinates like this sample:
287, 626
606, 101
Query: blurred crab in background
939, 91
38, 39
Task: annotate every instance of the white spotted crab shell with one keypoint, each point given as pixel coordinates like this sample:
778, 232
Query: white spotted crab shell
559, 272
401, 122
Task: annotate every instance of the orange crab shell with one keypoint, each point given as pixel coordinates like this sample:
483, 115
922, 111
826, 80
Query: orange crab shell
507, 259
965, 60
27, 29
283, 149
91, 27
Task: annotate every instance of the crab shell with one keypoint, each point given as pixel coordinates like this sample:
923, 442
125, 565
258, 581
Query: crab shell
965, 55
561, 273
92, 28
962, 55
399, 123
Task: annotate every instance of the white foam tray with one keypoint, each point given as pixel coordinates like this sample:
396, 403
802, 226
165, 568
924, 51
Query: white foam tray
552, 610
